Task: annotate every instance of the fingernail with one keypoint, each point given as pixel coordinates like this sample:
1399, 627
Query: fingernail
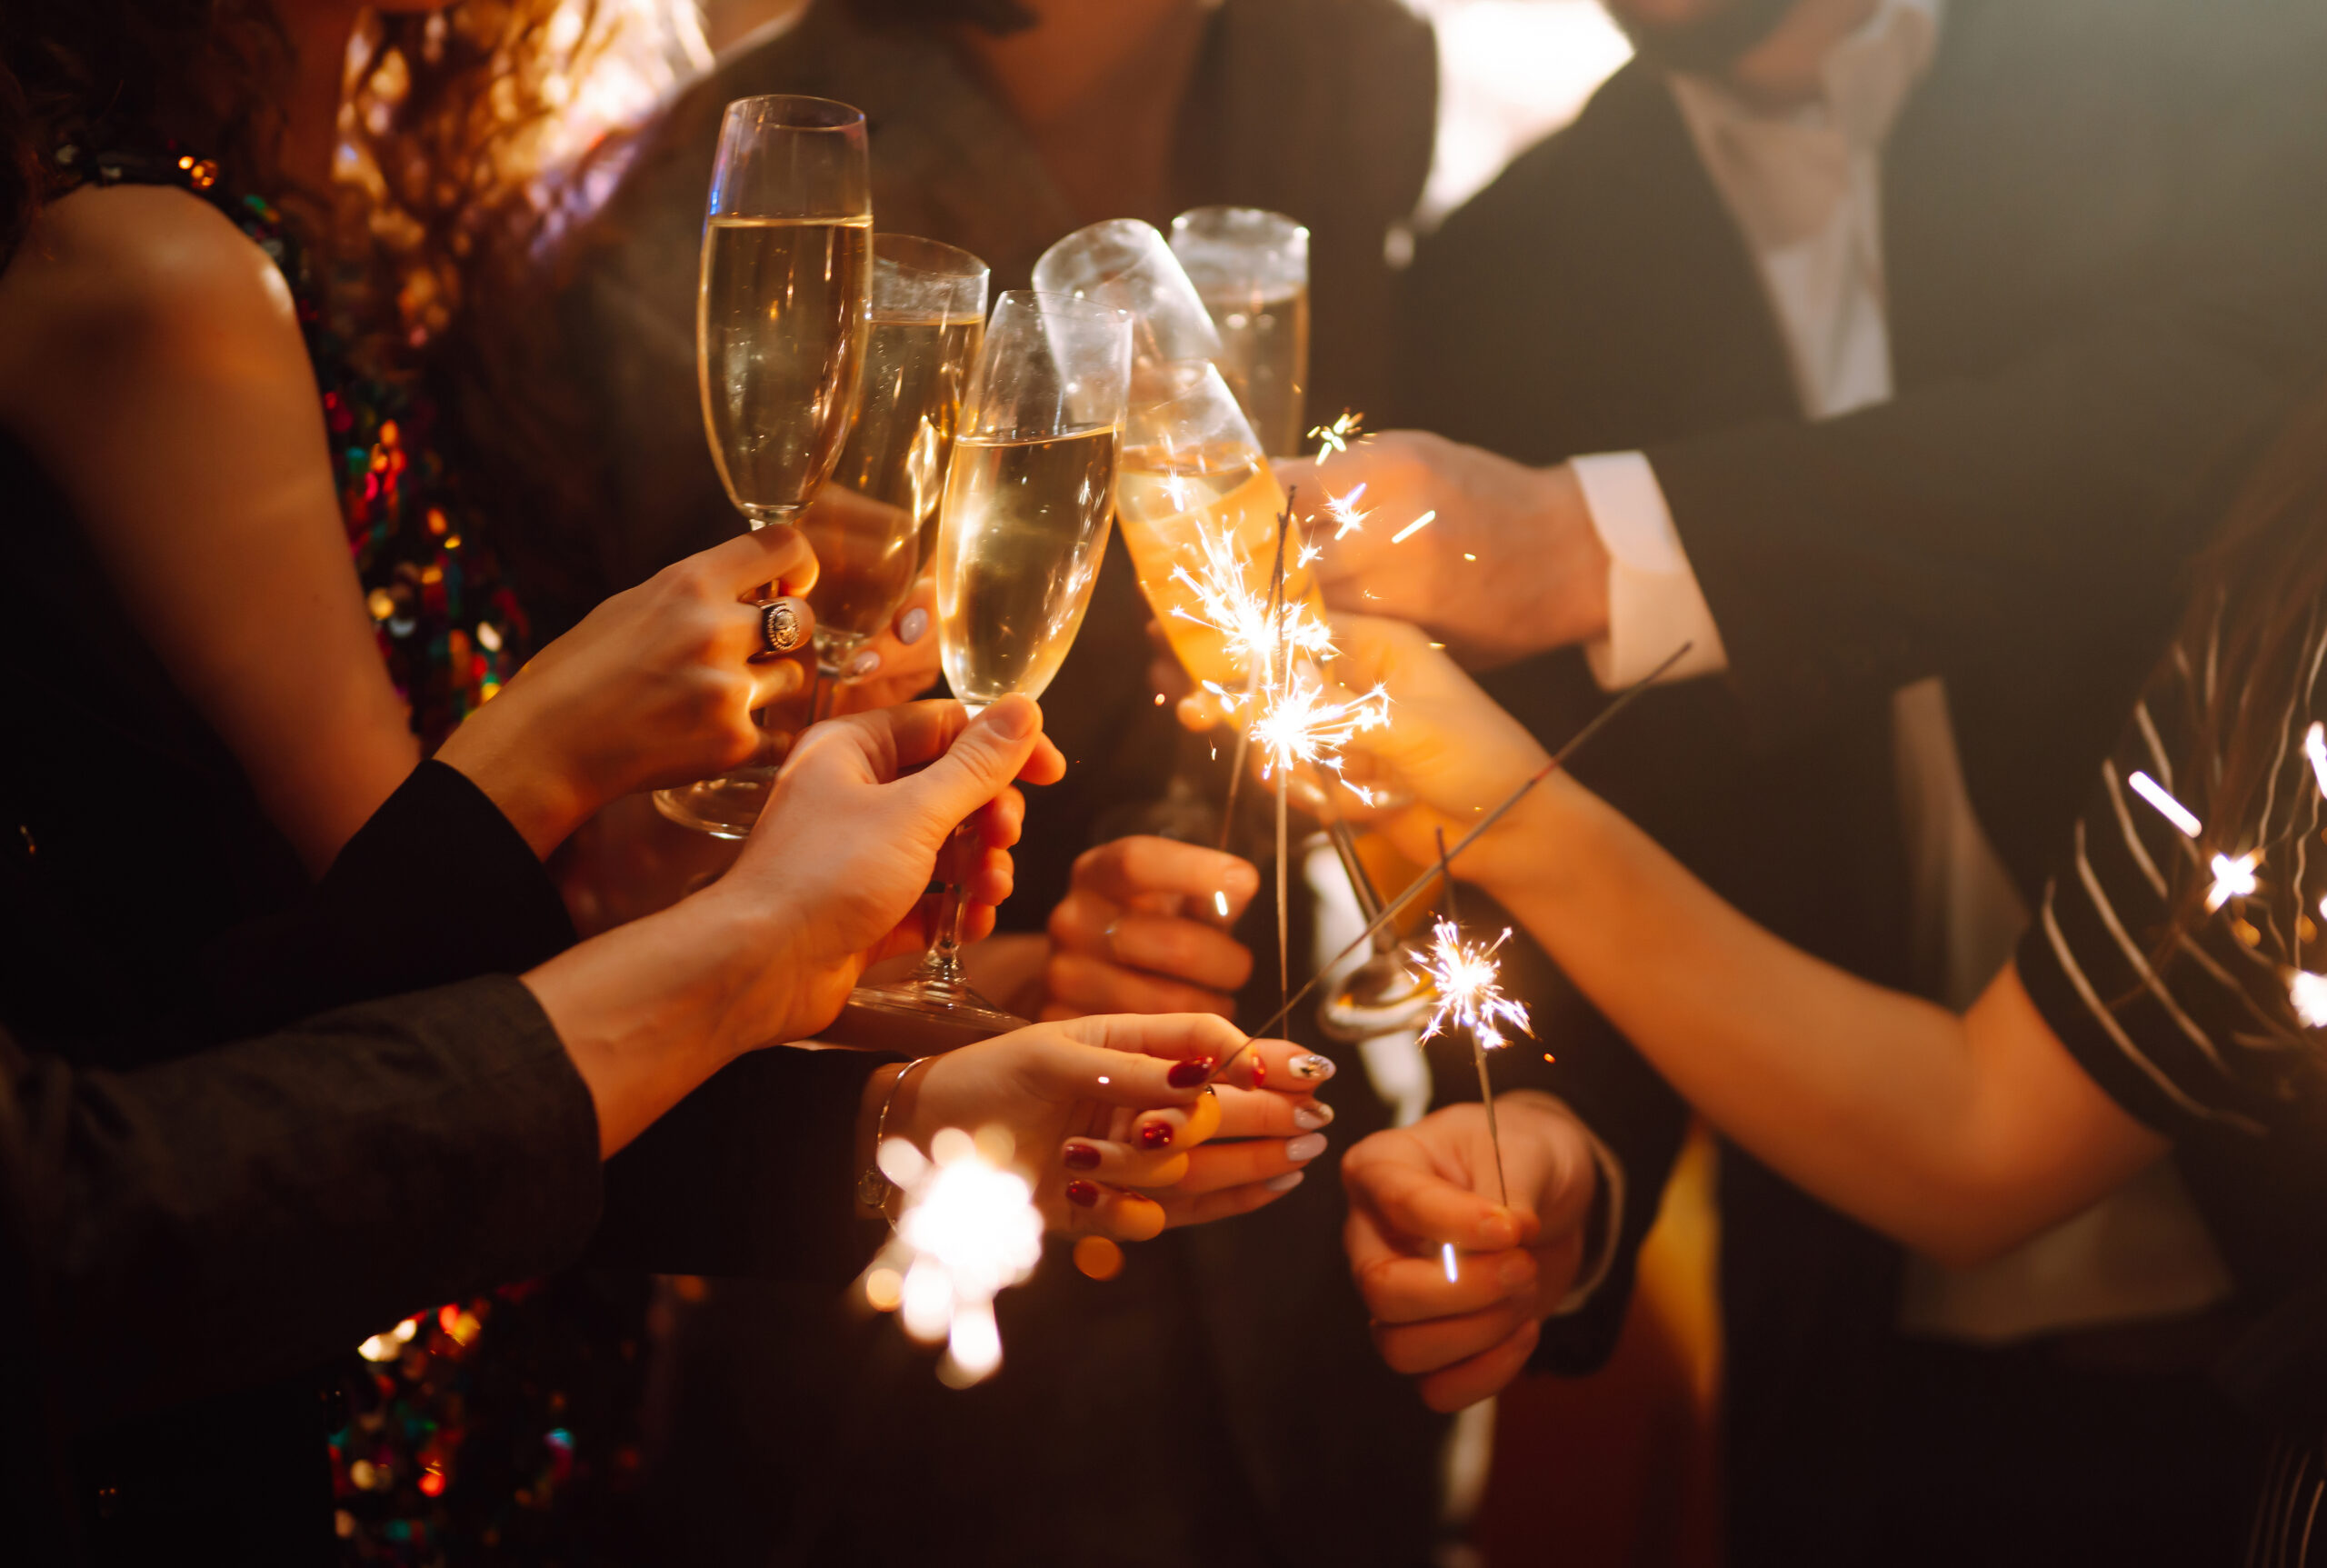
1081, 1194
1517, 1269
1304, 1148
1156, 1134
1285, 1182
1313, 1069
1312, 1115
864, 664
1081, 1157
911, 624
1013, 718
1260, 1071
1188, 1074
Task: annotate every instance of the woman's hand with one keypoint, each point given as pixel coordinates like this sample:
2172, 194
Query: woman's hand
1140, 930
851, 838
1448, 747
1107, 1115
899, 663
656, 686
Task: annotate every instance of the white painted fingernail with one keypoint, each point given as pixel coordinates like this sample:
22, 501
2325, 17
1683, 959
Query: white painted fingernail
864, 664
1285, 1182
911, 624
1304, 1148
1315, 1069
1313, 1116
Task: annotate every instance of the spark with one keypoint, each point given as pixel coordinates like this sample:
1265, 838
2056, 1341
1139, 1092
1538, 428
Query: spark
2234, 878
1336, 436
970, 1230
2314, 746
1446, 1257
1469, 982
1415, 528
1348, 517
2308, 991
2172, 810
1251, 628
1299, 724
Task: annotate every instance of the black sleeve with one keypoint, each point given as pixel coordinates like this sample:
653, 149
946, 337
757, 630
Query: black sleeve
245, 1210
438, 887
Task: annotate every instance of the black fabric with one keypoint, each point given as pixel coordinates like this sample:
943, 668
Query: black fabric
2102, 260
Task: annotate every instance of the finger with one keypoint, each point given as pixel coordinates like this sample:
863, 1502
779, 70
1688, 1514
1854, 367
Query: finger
1217, 1165
1123, 1164
1187, 1038
1090, 922
764, 555
1280, 1066
1001, 820
1094, 985
1203, 1208
1092, 1208
917, 614
1123, 870
984, 757
773, 680
1442, 1342
1255, 1114
1402, 1288
1176, 1127
990, 878
1483, 1377
1415, 1202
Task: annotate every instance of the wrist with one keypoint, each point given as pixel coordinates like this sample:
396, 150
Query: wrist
544, 799
756, 962
1575, 563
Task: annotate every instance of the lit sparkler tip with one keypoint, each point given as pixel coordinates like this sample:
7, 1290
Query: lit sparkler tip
2172, 810
1348, 517
1468, 981
2308, 991
2234, 878
970, 1229
1336, 436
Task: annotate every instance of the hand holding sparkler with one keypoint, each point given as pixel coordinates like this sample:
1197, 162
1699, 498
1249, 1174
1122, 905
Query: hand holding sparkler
1498, 559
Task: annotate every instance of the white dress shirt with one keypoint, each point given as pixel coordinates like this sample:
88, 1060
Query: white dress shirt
1804, 187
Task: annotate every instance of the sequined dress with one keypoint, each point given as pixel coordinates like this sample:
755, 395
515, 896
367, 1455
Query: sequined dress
130, 838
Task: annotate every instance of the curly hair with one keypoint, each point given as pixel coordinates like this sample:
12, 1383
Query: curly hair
448, 118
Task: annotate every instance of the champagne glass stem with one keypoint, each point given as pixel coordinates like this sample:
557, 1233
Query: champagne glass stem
944, 958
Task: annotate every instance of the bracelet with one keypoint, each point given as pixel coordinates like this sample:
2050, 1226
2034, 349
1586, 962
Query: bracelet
874, 1187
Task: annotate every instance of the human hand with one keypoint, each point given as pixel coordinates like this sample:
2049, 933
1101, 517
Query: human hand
1414, 1189
1100, 1108
845, 850
1510, 565
897, 664
1140, 930
656, 686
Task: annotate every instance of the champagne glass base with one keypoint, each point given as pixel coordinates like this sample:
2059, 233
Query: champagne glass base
952, 1003
1381, 996
725, 807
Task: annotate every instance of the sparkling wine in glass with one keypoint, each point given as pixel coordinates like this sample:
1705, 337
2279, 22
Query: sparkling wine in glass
1251, 269
780, 330
1022, 531
874, 523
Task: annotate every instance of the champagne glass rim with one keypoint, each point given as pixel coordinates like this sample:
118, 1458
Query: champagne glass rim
934, 259
1050, 302
1219, 220
802, 111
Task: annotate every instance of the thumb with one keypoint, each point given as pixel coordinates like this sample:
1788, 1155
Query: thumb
980, 763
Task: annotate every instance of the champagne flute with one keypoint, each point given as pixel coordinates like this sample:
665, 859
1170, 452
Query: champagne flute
780, 330
1251, 269
874, 524
1028, 500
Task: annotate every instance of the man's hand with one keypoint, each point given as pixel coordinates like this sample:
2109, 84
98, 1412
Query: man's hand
1140, 931
1509, 566
1412, 1189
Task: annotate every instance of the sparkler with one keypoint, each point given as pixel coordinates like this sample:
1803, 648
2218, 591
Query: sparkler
1348, 517
1336, 436
970, 1229
1470, 996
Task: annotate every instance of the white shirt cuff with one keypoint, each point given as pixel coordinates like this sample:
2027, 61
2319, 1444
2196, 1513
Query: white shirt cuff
1654, 602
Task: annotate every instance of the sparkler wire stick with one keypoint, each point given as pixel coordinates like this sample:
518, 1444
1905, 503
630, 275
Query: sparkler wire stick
1282, 670
1252, 686
1478, 1047
1397, 906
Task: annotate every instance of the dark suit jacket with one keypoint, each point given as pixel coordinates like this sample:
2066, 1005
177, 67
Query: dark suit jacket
246, 1209
2102, 255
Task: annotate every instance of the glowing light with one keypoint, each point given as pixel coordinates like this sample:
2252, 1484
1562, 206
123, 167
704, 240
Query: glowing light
1251, 629
2172, 810
1348, 517
389, 1345
1468, 981
2308, 991
1220, 904
969, 1231
1446, 1258
2232, 879
1336, 436
1299, 723
1098, 1258
1415, 528
2314, 746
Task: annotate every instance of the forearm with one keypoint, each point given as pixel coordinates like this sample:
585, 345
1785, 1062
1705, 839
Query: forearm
1872, 1099
652, 1009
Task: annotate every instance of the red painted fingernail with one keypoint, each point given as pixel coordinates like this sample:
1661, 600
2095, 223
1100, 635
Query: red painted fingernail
1081, 1157
1260, 1072
1156, 1134
1081, 1194
1188, 1074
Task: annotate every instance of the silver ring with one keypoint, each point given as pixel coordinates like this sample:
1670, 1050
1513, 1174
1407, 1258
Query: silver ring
782, 627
